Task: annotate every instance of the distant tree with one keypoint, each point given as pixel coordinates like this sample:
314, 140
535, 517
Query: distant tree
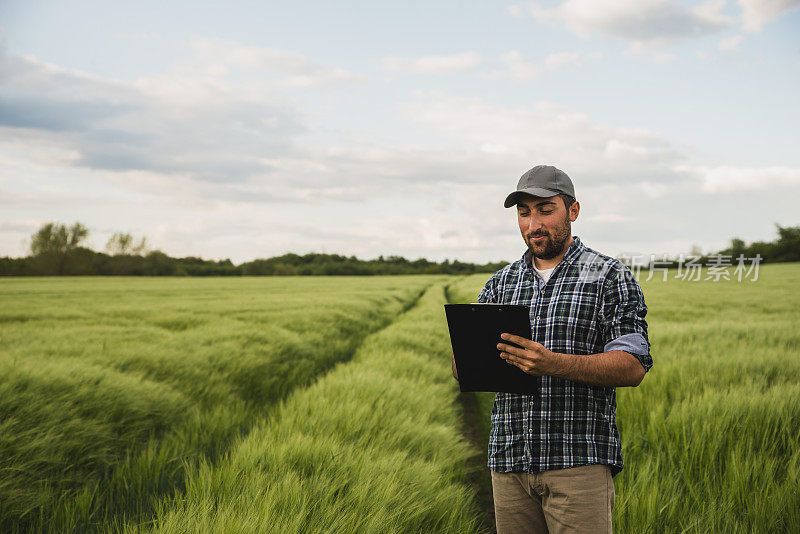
53, 243
785, 248
122, 244
788, 245
156, 263
737, 247
284, 269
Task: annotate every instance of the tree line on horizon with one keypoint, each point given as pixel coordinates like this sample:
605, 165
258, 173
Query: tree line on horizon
56, 250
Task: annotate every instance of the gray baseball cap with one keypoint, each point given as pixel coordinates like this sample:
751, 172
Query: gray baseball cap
542, 181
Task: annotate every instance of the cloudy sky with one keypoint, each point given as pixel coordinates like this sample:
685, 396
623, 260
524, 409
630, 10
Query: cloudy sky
250, 129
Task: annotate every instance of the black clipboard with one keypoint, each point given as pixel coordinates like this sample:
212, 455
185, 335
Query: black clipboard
474, 334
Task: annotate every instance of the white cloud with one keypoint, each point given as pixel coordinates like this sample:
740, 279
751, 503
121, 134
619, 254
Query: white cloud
517, 11
517, 67
321, 77
610, 218
25, 226
652, 189
643, 23
754, 16
231, 53
433, 64
663, 57
218, 56
559, 59
183, 122
548, 132
730, 43
728, 179
757, 13
616, 149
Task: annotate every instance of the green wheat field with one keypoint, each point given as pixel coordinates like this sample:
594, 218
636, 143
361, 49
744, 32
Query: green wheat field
326, 404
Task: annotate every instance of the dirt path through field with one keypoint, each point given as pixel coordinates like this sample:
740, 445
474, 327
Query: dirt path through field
477, 471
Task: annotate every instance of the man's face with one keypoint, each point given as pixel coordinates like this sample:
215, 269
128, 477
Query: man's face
545, 224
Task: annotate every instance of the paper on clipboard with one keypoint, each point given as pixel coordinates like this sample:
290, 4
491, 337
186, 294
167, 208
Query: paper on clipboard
474, 334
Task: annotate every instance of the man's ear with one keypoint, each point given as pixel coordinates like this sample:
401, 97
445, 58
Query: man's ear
574, 210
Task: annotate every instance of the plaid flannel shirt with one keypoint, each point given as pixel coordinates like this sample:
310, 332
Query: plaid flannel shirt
591, 304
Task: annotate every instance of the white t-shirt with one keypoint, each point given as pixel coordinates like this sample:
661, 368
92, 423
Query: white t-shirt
544, 273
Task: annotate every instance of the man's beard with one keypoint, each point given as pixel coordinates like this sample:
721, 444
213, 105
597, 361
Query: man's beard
553, 243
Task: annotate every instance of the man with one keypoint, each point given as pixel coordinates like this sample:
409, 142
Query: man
553, 455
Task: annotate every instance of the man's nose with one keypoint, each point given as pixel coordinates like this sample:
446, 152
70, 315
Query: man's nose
533, 224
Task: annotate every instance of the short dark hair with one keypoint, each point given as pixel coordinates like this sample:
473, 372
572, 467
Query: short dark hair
568, 200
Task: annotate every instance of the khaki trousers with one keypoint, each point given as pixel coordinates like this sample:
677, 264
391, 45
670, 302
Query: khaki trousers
576, 499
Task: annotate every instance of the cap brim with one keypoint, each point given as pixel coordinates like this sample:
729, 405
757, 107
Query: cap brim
514, 197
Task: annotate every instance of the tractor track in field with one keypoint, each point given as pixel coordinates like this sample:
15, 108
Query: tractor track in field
477, 471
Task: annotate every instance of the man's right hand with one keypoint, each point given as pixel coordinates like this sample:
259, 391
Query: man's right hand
455, 371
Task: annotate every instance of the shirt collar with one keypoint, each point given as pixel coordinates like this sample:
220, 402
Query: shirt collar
574, 251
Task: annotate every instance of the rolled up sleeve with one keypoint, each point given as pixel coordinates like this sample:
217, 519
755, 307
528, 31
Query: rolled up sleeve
623, 317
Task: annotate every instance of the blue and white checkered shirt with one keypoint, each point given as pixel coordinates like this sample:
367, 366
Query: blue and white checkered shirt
591, 304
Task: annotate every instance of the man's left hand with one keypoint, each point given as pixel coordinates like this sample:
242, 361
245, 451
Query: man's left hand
530, 356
